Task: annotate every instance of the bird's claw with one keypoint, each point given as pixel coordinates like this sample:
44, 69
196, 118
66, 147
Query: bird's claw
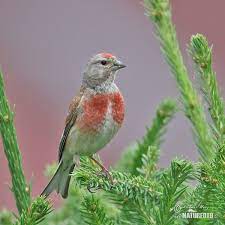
92, 189
105, 173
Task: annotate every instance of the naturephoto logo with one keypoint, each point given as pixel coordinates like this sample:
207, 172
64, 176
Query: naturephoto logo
191, 212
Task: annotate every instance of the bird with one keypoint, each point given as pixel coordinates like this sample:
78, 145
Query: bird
94, 117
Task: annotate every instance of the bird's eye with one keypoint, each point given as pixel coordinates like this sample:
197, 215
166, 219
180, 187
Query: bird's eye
103, 62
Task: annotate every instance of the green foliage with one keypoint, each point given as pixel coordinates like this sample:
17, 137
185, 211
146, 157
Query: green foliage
69, 213
140, 193
6, 217
202, 56
94, 212
125, 185
149, 162
210, 191
159, 12
210, 197
130, 193
153, 137
12, 152
35, 213
172, 190
125, 164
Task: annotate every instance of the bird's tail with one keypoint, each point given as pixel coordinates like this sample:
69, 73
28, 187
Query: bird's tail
60, 181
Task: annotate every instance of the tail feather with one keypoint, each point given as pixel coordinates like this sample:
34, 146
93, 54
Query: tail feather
65, 182
60, 181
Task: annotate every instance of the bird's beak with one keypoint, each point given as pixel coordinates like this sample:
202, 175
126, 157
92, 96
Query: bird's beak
118, 65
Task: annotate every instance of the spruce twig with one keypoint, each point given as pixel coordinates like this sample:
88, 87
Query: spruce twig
153, 137
6, 217
160, 14
210, 192
69, 212
124, 184
201, 54
94, 213
131, 194
19, 187
149, 162
36, 212
172, 181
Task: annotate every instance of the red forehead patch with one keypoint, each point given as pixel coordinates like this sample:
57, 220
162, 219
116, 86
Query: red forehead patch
107, 55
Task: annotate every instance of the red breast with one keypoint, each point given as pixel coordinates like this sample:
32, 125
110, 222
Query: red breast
95, 110
118, 107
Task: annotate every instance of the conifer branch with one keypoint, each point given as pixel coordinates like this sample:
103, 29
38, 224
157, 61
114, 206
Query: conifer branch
6, 217
69, 212
153, 137
124, 184
94, 213
172, 181
132, 194
19, 187
36, 213
209, 195
149, 162
133, 212
210, 192
159, 12
201, 54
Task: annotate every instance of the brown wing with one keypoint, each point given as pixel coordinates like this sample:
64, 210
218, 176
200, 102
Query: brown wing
70, 120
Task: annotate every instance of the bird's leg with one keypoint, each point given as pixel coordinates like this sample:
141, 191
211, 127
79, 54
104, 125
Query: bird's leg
76, 161
104, 170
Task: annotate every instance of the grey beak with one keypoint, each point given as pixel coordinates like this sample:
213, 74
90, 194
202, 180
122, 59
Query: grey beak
119, 65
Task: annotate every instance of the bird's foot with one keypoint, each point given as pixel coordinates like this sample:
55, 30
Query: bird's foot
105, 173
92, 189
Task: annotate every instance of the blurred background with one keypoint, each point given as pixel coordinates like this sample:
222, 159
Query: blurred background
44, 46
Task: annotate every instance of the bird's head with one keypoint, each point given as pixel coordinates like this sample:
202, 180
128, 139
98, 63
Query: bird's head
101, 68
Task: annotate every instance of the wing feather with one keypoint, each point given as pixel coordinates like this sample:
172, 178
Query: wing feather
70, 120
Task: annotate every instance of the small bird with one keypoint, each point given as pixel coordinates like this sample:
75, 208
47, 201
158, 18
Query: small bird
94, 117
